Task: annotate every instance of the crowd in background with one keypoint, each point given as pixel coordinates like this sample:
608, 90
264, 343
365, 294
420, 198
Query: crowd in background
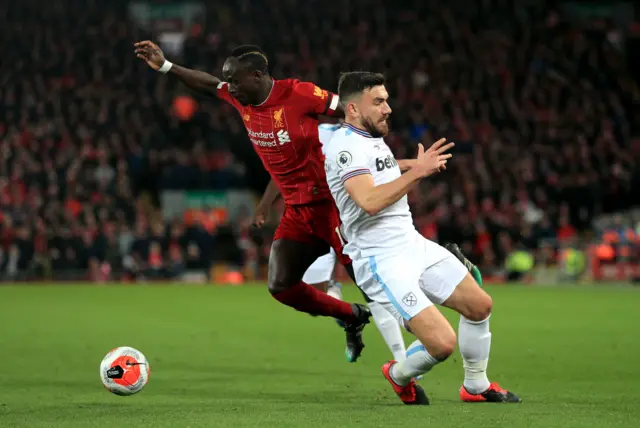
545, 116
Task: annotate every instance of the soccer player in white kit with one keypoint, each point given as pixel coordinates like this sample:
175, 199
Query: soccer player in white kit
320, 275
393, 264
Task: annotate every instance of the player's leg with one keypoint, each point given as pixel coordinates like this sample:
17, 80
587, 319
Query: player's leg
448, 283
320, 275
320, 286
389, 328
326, 223
387, 324
392, 282
288, 261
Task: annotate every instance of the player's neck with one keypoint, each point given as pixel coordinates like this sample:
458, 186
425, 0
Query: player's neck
265, 91
358, 127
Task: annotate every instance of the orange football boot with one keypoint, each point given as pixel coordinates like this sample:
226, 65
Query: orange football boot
411, 394
495, 394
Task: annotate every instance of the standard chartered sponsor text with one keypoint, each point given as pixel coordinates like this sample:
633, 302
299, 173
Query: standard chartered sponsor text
263, 139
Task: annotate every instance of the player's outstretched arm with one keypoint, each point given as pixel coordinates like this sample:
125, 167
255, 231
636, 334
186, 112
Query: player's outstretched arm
373, 199
199, 81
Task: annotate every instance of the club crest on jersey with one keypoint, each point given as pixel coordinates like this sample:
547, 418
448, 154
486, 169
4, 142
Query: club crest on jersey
410, 299
277, 117
246, 117
319, 93
344, 159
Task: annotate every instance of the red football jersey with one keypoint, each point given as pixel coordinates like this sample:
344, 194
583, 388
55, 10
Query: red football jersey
284, 133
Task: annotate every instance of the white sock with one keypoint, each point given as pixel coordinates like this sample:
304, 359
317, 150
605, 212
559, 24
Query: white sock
390, 330
334, 290
418, 362
474, 339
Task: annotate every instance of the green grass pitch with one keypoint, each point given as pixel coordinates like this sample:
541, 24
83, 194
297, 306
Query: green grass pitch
234, 357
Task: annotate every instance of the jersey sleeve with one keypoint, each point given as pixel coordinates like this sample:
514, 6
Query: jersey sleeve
315, 101
222, 91
348, 161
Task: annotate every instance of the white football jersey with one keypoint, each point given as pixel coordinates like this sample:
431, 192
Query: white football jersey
352, 152
325, 133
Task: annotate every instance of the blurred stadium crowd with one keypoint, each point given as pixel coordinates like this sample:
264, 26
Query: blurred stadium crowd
545, 115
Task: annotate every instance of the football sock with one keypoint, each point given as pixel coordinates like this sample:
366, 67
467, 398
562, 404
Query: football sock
334, 289
474, 339
417, 362
305, 298
390, 330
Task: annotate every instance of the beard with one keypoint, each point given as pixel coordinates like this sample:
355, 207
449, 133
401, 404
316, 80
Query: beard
376, 130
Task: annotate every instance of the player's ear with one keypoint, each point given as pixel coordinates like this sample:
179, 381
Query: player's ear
351, 109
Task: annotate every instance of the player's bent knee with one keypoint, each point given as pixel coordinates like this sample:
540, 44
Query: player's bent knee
278, 285
442, 348
481, 309
434, 332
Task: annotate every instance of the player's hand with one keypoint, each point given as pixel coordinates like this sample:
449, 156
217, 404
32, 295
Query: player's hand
260, 216
150, 53
434, 159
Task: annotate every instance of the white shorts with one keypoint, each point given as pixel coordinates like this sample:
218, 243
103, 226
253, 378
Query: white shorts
411, 279
321, 270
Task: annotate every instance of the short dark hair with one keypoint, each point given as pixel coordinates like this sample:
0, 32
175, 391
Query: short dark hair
356, 82
252, 57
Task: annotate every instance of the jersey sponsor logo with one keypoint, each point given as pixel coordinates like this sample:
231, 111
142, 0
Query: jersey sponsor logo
344, 159
319, 93
386, 163
409, 299
277, 117
263, 135
283, 137
262, 139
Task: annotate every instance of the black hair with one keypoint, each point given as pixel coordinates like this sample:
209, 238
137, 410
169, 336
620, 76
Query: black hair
252, 57
356, 82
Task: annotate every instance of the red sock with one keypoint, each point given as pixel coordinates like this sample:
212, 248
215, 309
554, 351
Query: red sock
305, 298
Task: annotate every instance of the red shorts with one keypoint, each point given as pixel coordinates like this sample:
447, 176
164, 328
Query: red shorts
313, 223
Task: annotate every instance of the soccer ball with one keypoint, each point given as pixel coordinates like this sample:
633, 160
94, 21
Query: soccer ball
124, 371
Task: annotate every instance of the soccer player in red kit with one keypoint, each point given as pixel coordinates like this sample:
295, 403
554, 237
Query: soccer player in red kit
281, 118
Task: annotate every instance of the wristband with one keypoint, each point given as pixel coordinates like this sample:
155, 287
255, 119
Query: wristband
165, 67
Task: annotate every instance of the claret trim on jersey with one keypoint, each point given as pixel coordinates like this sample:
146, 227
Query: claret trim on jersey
357, 130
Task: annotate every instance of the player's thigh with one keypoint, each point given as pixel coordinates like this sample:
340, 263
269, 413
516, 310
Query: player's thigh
470, 300
321, 270
294, 249
440, 280
393, 283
